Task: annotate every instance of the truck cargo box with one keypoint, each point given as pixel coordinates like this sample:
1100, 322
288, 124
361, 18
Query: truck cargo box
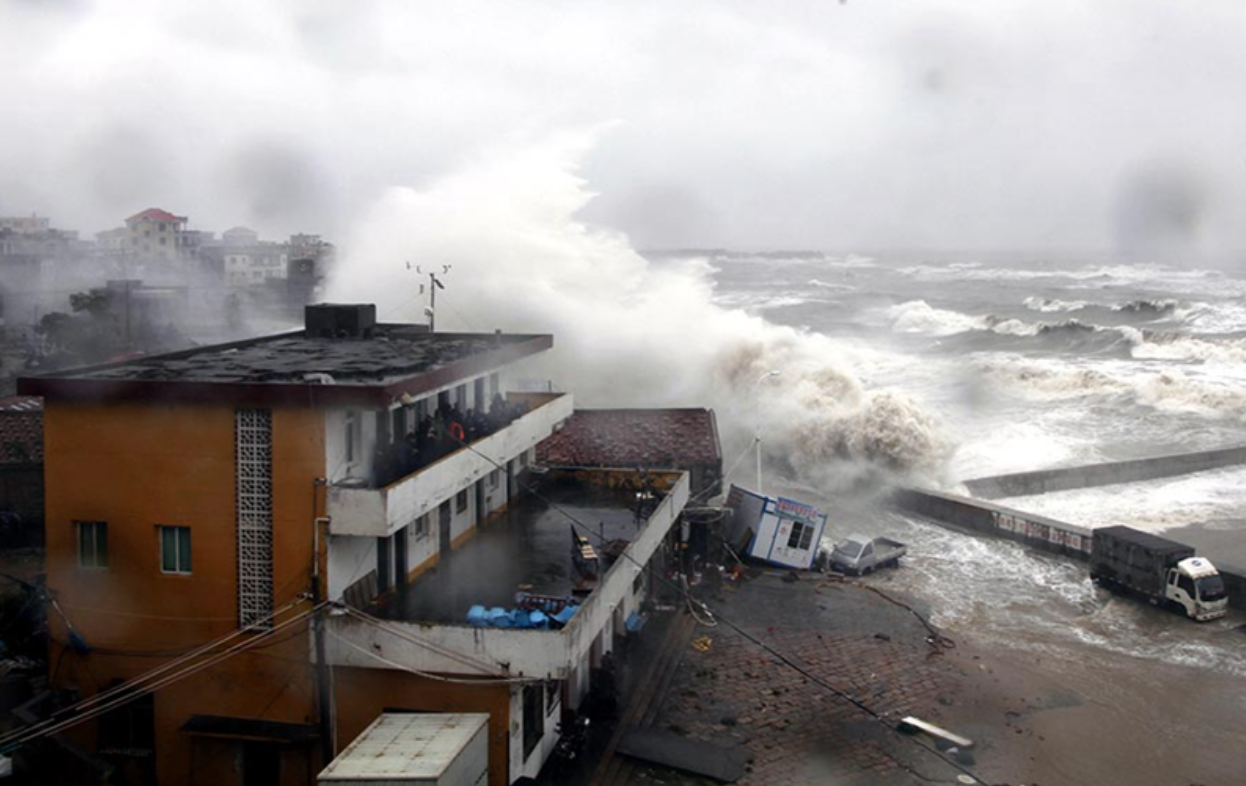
1134, 558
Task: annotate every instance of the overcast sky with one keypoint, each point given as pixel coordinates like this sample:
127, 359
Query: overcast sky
1046, 125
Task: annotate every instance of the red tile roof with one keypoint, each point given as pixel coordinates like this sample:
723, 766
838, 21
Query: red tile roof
649, 438
21, 430
155, 214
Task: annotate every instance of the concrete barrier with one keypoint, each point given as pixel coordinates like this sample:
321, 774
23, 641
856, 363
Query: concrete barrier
1046, 534
1021, 484
990, 519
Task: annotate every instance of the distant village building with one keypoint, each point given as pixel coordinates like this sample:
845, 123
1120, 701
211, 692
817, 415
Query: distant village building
216, 494
21, 471
35, 262
25, 225
155, 234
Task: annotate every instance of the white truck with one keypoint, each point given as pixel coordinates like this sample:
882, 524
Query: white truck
1163, 571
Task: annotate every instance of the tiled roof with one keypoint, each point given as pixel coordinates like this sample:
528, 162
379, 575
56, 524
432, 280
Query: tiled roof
155, 214
649, 438
21, 430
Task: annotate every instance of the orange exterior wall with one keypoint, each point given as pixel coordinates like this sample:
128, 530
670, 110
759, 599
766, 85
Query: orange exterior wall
362, 694
139, 465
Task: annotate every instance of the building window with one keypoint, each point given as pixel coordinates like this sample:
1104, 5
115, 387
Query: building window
460, 501
533, 716
801, 537
421, 527
92, 544
175, 549
352, 436
493, 478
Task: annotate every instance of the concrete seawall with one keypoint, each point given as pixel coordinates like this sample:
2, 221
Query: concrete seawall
1046, 534
1022, 484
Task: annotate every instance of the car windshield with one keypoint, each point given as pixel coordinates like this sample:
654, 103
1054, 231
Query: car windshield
849, 548
1210, 588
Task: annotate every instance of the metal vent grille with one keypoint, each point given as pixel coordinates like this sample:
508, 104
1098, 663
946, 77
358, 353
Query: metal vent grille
253, 430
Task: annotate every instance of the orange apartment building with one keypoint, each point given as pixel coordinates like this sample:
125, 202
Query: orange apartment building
223, 490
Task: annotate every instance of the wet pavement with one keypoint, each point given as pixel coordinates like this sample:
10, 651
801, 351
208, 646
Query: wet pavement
528, 548
866, 663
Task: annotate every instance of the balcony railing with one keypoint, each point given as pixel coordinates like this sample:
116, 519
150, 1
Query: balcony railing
430, 478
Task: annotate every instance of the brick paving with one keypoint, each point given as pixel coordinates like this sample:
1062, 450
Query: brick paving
798, 731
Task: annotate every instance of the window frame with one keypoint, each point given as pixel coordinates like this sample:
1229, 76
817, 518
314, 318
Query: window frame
460, 502
179, 533
801, 536
100, 530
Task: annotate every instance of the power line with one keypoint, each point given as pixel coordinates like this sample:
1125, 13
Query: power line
152, 681
782, 658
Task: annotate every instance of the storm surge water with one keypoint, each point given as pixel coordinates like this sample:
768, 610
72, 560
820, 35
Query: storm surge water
920, 371
504, 236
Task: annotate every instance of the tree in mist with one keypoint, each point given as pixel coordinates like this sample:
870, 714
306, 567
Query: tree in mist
101, 327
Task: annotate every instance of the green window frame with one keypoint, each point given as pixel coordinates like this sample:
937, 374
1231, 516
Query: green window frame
175, 550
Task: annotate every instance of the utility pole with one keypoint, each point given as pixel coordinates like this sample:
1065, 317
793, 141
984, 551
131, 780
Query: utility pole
433, 286
757, 421
324, 684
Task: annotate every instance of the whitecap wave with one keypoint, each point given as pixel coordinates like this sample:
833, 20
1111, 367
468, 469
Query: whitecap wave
918, 316
525, 262
1048, 304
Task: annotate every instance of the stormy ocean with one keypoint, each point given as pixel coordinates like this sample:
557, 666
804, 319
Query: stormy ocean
1010, 364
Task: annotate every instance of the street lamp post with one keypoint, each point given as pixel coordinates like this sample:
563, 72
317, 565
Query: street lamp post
757, 421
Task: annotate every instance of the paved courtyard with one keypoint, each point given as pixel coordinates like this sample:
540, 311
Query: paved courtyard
846, 640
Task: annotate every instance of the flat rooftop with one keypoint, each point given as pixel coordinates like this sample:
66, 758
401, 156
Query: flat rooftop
527, 549
297, 368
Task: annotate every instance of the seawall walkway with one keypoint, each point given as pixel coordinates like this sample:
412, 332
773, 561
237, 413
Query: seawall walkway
1021, 484
1041, 532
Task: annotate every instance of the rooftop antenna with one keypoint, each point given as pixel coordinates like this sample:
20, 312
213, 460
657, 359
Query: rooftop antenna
434, 284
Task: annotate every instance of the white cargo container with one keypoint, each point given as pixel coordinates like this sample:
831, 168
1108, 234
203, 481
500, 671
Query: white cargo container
409, 749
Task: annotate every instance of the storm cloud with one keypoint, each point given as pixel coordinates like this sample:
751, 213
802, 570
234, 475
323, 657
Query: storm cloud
861, 125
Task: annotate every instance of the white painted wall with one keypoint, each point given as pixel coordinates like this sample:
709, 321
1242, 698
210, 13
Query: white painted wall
529, 653
462, 521
495, 493
421, 547
339, 468
349, 559
549, 737
379, 512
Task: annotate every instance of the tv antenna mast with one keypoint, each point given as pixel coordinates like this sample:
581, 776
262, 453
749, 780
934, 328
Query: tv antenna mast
434, 284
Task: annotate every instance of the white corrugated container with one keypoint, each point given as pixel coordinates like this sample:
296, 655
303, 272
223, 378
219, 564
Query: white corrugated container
408, 749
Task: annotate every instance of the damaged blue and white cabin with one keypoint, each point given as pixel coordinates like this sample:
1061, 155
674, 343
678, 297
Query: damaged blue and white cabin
776, 530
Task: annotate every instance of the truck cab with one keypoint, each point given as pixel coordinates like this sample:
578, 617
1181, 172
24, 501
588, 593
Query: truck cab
1196, 586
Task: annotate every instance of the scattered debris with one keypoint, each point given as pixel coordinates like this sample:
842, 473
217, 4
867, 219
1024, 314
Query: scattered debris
702, 644
721, 762
912, 725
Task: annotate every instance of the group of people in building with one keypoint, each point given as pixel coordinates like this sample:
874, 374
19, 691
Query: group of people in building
441, 433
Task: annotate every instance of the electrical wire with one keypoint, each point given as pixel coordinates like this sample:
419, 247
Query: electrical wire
446, 652
842, 695
430, 675
151, 681
53, 726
